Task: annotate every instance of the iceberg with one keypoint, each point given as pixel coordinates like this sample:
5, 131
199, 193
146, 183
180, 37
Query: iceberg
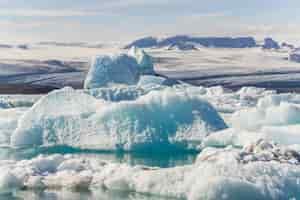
119, 69
161, 120
105, 70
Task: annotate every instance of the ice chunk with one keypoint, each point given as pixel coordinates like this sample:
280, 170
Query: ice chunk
255, 118
158, 121
231, 136
143, 59
120, 69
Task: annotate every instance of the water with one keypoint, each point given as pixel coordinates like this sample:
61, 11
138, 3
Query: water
152, 160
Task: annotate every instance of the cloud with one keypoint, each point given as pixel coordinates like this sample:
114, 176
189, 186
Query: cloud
95, 8
46, 13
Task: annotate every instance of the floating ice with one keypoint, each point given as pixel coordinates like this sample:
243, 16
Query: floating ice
252, 173
158, 121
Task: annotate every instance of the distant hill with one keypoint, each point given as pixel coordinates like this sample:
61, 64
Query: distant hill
179, 40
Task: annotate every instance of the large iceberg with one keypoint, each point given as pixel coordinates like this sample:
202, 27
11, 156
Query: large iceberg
158, 121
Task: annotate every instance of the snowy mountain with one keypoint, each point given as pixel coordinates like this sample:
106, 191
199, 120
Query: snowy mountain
179, 40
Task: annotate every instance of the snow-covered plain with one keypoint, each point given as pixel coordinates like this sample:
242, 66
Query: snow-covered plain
42, 68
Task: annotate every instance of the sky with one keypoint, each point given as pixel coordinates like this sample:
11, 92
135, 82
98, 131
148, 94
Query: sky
125, 20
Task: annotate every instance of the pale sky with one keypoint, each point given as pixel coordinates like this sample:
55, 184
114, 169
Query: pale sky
124, 20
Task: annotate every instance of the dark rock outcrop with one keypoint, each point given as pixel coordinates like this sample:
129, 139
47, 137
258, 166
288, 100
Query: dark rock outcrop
269, 43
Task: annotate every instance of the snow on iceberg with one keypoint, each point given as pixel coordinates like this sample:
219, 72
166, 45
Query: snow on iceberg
157, 121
